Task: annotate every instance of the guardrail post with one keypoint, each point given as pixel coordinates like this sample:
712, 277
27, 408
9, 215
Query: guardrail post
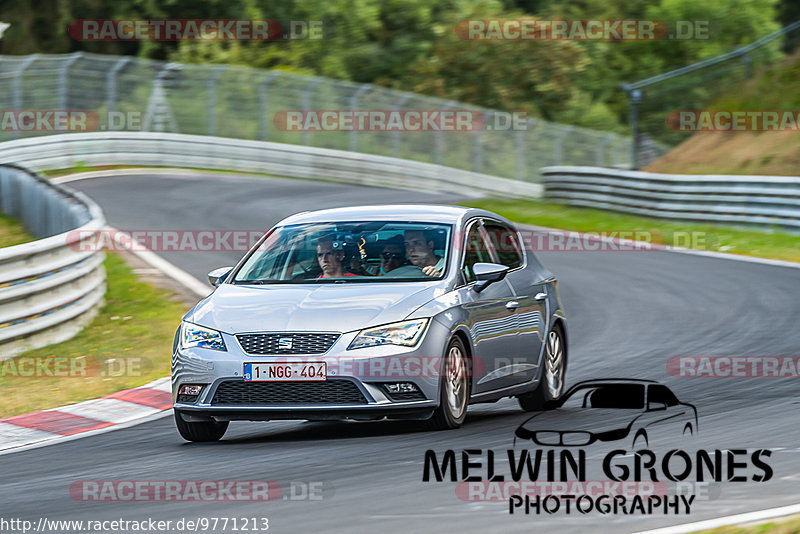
437, 139
212, 99
634, 99
111, 84
262, 105
396, 134
307, 104
558, 147
18, 86
353, 103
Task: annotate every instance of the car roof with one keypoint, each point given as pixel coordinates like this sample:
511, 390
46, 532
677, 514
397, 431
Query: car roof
607, 381
433, 213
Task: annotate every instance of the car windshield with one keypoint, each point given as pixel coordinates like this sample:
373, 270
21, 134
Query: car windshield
616, 396
372, 251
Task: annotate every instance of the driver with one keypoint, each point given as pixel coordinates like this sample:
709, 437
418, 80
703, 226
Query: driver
330, 259
421, 253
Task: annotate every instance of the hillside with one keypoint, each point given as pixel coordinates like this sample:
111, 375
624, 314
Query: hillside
777, 153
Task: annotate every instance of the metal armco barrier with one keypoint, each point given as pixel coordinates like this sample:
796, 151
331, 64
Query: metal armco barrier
763, 200
49, 288
198, 151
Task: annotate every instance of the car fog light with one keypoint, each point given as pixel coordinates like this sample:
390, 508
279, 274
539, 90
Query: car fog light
190, 389
402, 387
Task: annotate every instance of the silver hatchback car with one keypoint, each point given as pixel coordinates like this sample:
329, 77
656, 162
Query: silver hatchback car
398, 311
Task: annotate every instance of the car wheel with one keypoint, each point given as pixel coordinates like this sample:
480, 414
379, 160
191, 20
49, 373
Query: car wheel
688, 430
551, 385
454, 387
200, 431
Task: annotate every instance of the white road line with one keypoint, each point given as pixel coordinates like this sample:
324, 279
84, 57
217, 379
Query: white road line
749, 517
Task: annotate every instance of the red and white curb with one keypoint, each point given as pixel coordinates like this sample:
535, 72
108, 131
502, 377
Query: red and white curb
106, 412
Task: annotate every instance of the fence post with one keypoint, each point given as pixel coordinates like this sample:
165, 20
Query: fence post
519, 150
262, 105
307, 104
353, 103
111, 84
477, 157
437, 139
396, 134
558, 147
63, 83
212, 99
634, 99
599, 158
18, 86
748, 62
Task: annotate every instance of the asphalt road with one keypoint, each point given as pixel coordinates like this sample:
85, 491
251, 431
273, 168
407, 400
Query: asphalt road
629, 312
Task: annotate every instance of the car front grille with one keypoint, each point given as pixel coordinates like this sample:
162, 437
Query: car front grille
241, 393
286, 343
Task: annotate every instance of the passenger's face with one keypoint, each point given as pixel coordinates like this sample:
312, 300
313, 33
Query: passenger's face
391, 257
329, 260
420, 252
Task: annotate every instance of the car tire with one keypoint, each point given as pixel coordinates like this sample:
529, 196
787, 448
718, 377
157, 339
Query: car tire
200, 431
454, 388
551, 384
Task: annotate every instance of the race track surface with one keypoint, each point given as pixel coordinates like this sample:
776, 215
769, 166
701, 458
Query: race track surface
629, 312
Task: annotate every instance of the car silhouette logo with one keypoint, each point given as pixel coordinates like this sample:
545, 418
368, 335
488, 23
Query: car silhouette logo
285, 343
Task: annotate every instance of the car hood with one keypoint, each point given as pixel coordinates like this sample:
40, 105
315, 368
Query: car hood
310, 307
587, 419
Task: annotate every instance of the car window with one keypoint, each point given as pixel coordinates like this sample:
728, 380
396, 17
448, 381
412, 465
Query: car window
476, 251
505, 243
379, 251
659, 393
616, 396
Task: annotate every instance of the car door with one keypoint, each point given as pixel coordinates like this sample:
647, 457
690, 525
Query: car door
666, 417
490, 317
529, 294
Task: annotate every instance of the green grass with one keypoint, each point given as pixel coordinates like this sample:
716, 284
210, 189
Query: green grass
775, 244
788, 526
128, 344
12, 232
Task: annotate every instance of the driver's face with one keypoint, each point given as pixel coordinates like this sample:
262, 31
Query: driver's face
420, 252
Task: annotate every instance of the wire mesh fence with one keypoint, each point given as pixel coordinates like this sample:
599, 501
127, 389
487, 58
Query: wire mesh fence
126, 93
694, 88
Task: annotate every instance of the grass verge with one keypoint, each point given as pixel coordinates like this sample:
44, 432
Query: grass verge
12, 232
128, 344
788, 526
775, 244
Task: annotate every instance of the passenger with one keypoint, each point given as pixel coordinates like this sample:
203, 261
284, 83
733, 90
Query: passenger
392, 256
330, 259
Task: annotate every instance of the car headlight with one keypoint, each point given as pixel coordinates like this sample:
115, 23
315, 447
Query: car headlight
405, 333
193, 335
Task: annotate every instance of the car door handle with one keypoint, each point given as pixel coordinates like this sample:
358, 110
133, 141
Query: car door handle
512, 305
540, 296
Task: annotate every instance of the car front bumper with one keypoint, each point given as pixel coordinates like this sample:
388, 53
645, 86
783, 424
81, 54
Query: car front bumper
367, 369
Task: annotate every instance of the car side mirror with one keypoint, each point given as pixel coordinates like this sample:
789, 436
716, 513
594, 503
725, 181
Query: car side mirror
656, 406
218, 275
487, 273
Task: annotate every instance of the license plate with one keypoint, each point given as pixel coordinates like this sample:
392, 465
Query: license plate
285, 372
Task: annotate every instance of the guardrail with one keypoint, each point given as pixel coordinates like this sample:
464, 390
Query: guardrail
49, 288
764, 200
198, 151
